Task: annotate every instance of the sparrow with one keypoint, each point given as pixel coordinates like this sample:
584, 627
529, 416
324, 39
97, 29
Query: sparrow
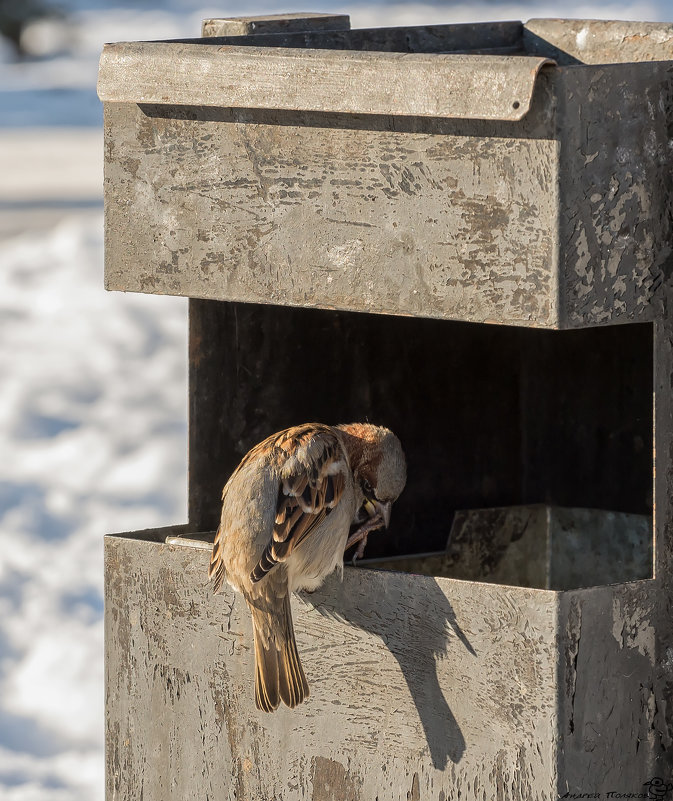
287, 510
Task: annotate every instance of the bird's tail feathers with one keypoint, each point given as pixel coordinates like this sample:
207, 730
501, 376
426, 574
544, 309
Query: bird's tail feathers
267, 696
293, 684
279, 675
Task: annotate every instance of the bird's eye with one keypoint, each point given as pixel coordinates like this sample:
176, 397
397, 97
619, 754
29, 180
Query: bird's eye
367, 487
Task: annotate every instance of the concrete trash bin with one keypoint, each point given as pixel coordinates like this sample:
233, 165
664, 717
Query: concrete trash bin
344, 209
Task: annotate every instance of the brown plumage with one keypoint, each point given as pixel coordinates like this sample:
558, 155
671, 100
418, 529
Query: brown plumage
286, 513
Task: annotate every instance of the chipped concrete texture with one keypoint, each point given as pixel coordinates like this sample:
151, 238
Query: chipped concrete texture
421, 687
407, 675
615, 223
290, 213
418, 686
607, 692
332, 782
383, 209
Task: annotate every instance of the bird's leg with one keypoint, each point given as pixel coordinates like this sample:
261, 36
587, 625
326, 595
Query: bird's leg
368, 526
361, 549
361, 536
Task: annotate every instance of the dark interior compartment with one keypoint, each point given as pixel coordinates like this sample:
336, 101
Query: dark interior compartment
489, 416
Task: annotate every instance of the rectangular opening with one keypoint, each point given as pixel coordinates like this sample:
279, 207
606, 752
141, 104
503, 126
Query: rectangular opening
568, 41
504, 38
490, 417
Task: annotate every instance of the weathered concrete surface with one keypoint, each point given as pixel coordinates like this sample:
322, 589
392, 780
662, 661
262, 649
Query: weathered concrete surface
421, 687
273, 23
559, 220
259, 210
591, 41
337, 81
541, 546
407, 675
440, 685
615, 223
610, 733
660, 631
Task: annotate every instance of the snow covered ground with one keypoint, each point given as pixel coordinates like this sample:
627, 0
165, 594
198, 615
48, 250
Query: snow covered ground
93, 440
92, 436
93, 385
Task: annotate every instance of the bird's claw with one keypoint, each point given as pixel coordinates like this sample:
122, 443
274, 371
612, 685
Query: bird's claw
360, 552
360, 536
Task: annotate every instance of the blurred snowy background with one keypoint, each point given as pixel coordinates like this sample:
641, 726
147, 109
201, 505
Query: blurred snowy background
93, 385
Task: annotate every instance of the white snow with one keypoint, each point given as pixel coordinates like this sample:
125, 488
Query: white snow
93, 385
93, 438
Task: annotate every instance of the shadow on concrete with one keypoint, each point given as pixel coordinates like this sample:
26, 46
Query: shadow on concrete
424, 629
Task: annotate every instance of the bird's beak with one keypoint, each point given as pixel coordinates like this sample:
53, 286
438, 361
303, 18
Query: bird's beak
384, 509
369, 507
374, 508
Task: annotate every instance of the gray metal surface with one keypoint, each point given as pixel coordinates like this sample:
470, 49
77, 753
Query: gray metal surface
423, 683
560, 219
346, 82
615, 206
538, 546
269, 210
422, 687
482, 38
583, 41
273, 23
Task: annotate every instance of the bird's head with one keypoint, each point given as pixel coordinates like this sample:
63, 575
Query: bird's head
379, 467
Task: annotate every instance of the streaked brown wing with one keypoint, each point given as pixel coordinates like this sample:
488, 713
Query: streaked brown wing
216, 570
312, 471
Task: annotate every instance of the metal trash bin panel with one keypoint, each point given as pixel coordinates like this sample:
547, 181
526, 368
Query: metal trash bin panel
434, 684
481, 184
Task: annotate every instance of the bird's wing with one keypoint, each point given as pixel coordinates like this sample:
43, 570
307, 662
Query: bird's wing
312, 468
